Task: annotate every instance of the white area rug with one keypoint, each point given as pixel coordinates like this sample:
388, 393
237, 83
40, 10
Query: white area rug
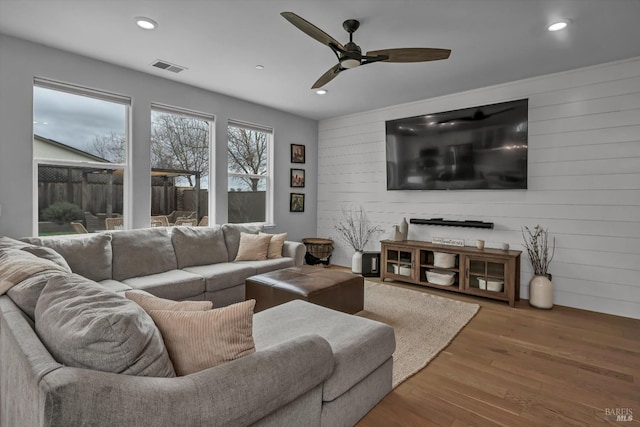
424, 324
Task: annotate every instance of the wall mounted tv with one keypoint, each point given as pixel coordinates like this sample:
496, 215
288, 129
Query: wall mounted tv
474, 148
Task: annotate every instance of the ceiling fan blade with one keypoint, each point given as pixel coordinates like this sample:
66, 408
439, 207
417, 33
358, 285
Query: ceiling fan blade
412, 54
312, 31
328, 76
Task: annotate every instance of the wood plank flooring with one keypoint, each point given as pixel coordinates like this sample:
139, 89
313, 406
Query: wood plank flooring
523, 367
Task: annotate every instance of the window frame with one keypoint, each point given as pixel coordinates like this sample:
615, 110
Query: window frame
211, 119
268, 177
125, 167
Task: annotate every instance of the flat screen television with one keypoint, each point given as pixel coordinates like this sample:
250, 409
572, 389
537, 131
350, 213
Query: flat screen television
481, 147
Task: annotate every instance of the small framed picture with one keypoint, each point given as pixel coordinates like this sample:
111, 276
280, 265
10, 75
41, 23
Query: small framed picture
297, 153
297, 178
296, 203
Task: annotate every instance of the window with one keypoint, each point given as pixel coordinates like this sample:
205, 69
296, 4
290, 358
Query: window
80, 150
180, 145
249, 172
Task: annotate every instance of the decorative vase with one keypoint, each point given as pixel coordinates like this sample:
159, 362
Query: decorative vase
541, 292
356, 262
396, 235
404, 228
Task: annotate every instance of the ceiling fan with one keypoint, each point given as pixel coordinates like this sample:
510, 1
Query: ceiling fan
350, 55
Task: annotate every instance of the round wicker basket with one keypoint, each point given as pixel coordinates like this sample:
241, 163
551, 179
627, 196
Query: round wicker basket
319, 248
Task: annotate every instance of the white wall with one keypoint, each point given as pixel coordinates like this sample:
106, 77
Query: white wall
584, 182
20, 61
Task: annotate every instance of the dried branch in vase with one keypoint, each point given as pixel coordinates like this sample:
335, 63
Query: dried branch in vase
536, 242
355, 229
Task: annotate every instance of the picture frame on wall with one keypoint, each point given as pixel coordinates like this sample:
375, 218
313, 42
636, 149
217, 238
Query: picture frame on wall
296, 202
297, 153
297, 178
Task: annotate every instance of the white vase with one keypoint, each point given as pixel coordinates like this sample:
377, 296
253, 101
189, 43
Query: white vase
395, 235
541, 292
356, 262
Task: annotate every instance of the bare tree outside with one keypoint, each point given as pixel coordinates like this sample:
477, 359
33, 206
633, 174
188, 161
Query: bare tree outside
180, 142
247, 151
109, 147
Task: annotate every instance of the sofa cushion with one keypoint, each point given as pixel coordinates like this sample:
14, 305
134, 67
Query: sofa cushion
232, 235
199, 245
269, 264
17, 265
149, 302
359, 345
198, 340
174, 284
48, 254
114, 285
142, 252
26, 293
224, 275
253, 247
86, 326
88, 255
275, 244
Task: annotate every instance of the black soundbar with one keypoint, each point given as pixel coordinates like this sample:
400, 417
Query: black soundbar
440, 221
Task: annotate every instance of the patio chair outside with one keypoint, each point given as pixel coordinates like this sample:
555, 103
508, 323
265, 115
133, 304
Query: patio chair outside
184, 221
159, 221
79, 228
204, 222
114, 223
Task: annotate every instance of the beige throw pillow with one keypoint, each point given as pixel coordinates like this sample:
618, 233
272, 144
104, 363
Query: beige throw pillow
198, 340
275, 244
253, 247
150, 302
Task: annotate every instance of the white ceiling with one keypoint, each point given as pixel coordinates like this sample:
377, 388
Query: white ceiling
221, 42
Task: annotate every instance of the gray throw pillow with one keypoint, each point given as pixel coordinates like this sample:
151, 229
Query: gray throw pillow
85, 326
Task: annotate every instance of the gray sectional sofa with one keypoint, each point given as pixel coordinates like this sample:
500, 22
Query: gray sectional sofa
178, 263
312, 366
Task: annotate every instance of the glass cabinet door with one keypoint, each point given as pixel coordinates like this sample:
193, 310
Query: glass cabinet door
399, 261
486, 275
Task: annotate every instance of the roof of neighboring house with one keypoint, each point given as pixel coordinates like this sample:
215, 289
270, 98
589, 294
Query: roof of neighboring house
50, 149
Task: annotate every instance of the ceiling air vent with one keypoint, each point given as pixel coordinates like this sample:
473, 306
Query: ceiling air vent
164, 65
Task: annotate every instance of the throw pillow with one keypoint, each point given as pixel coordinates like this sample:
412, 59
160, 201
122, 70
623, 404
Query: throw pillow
275, 244
198, 340
151, 302
253, 247
86, 326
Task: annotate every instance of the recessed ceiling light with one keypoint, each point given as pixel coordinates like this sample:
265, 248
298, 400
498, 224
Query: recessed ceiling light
322, 91
559, 25
259, 67
146, 23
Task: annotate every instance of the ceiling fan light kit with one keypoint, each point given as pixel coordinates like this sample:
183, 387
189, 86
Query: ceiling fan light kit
350, 55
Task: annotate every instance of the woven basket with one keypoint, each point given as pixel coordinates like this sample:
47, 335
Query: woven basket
319, 248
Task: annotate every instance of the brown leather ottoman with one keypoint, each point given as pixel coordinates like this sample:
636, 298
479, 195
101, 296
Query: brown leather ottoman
338, 290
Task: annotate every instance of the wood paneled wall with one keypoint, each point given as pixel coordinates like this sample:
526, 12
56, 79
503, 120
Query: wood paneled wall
584, 182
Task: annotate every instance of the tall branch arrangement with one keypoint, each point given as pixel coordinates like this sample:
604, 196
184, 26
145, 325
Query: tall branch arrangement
537, 244
355, 228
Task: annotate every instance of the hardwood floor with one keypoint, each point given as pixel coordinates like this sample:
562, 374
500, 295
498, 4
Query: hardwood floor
523, 367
